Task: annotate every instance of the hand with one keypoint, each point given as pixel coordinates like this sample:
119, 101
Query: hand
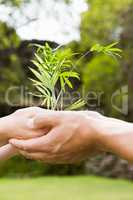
76, 135
18, 125
72, 138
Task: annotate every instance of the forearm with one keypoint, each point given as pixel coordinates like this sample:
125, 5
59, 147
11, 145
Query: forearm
6, 150
3, 129
116, 136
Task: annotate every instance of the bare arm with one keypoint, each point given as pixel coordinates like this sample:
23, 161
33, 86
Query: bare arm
6, 150
3, 130
116, 136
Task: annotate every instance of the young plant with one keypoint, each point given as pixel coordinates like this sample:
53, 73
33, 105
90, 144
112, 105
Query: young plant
55, 67
52, 67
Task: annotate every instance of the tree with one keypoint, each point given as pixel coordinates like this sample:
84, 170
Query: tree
127, 45
101, 22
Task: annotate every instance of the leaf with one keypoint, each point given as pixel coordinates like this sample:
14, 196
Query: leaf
39, 59
116, 50
37, 74
68, 82
112, 45
108, 50
48, 101
41, 90
70, 74
40, 66
96, 47
62, 83
55, 78
36, 45
76, 105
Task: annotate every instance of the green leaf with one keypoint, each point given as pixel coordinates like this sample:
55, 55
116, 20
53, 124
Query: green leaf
40, 66
112, 45
108, 50
39, 59
68, 82
70, 74
116, 50
37, 74
55, 78
41, 90
76, 105
96, 47
62, 83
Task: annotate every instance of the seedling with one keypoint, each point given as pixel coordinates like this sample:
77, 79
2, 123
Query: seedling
55, 67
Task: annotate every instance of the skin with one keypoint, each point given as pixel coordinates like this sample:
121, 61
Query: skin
73, 136
18, 125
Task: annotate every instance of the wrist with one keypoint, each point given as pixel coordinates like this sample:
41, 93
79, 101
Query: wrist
4, 128
116, 136
93, 131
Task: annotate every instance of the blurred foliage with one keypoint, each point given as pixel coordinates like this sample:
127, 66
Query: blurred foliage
102, 20
100, 83
102, 23
127, 63
20, 167
8, 37
15, 3
12, 73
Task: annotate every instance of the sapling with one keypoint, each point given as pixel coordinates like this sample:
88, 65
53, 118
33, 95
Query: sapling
55, 67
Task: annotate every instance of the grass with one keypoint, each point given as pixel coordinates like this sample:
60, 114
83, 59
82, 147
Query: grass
65, 188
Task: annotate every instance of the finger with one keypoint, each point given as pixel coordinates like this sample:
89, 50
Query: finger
38, 156
46, 143
51, 118
27, 145
31, 156
43, 157
7, 152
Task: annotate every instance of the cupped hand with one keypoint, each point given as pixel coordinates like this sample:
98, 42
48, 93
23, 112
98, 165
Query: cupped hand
72, 137
18, 125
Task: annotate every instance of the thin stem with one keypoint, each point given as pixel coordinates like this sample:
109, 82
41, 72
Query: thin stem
53, 102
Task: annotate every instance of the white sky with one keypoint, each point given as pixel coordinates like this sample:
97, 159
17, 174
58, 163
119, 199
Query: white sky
55, 20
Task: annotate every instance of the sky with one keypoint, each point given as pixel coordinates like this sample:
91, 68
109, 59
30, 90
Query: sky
46, 20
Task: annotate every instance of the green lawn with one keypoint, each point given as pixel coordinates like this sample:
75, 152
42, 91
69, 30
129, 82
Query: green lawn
65, 188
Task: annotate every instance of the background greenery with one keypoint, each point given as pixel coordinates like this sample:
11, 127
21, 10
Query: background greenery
104, 22
65, 188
